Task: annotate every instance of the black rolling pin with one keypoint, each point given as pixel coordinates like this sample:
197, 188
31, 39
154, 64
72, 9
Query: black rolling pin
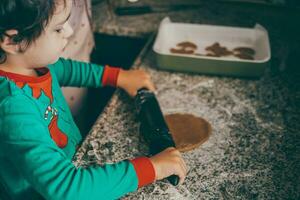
153, 126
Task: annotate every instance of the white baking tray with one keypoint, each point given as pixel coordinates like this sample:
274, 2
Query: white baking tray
170, 34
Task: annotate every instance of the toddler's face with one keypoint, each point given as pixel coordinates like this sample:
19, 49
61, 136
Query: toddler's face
49, 46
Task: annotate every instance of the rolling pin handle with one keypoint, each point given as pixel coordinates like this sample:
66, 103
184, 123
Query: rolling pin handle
174, 180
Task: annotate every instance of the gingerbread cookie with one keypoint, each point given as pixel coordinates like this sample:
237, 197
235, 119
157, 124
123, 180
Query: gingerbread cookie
188, 131
244, 53
182, 51
212, 55
184, 48
244, 56
217, 50
187, 44
214, 50
244, 50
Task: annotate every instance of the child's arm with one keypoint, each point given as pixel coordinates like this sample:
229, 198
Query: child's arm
82, 74
26, 139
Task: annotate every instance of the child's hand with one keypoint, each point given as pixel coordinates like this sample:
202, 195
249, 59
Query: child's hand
133, 80
167, 163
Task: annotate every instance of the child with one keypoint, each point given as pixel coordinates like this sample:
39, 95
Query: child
38, 136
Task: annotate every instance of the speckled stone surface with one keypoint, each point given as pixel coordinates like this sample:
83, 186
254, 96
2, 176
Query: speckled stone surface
105, 20
254, 150
208, 12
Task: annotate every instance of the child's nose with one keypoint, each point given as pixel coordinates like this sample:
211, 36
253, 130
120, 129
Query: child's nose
68, 30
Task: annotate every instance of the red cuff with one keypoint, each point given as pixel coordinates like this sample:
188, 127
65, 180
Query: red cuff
144, 170
110, 76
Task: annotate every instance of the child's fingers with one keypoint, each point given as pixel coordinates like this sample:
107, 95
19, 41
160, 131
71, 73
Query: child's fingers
184, 169
181, 173
181, 166
150, 86
148, 83
182, 162
184, 165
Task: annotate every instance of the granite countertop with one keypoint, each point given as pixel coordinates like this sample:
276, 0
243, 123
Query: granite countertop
208, 12
106, 21
254, 150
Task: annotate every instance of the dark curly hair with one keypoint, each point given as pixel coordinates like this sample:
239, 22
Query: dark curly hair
28, 17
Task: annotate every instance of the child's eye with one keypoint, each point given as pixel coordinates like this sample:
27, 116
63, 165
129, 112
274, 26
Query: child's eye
59, 30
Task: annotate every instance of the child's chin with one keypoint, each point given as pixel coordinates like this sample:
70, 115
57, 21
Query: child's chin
54, 60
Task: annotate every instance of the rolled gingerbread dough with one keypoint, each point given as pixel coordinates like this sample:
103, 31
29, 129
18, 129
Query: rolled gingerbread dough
188, 131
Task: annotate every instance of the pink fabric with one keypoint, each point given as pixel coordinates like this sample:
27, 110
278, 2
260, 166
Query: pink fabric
79, 48
81, 42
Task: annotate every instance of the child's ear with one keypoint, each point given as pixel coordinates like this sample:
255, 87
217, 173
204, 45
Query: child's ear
7, 44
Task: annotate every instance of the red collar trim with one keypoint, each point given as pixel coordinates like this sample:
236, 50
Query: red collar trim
28, 79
